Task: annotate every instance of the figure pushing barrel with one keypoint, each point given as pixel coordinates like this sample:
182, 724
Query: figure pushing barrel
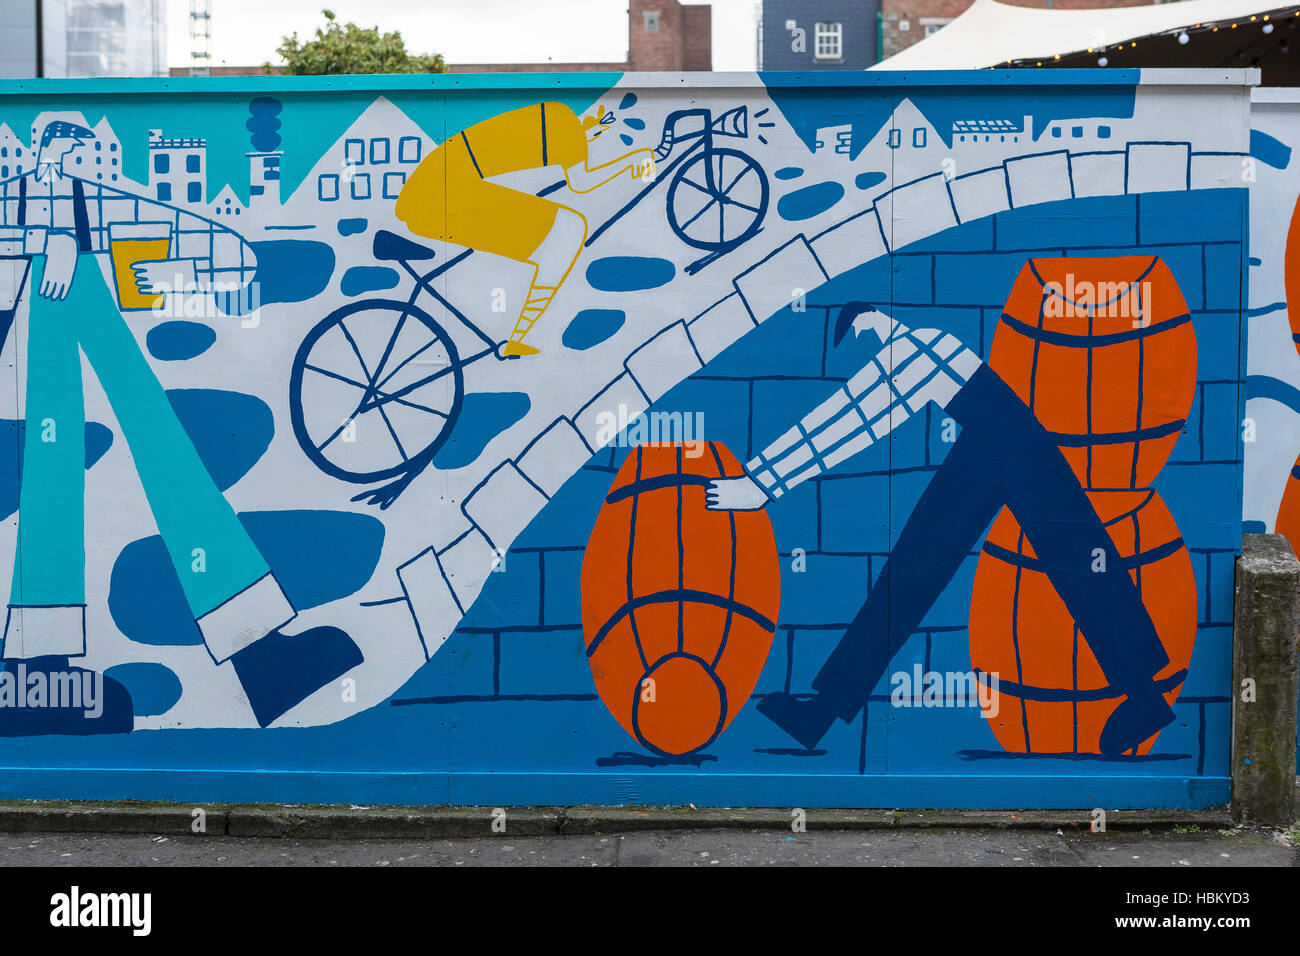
1084, 603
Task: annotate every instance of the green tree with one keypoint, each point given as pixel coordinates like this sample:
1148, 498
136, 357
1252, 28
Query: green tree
348, 48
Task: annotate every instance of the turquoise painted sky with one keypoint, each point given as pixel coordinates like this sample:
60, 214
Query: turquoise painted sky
311, 123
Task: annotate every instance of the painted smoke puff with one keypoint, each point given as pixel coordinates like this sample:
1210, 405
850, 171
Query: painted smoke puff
1103, 351
679, 603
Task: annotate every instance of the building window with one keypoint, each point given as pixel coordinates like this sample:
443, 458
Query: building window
194, 192
652, 21
1103, 132
354, 152
393, 183
408, 149
932, 25
257, 190
271, 169
895, 138
918, 137
361, 186
164, 192
379, 152
328, 188
1056, 132
192, 163
1077, 132
828, 41
162, 163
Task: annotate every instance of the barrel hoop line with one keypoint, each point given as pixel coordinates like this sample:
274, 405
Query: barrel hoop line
643, 485
1139, 560
1076, 440
731, 587
677, 595
631, 541
1067, 340
1062, 695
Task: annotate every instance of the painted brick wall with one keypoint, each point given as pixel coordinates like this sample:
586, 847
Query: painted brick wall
956, 281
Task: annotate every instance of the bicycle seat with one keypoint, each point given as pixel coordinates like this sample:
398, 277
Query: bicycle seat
390, 247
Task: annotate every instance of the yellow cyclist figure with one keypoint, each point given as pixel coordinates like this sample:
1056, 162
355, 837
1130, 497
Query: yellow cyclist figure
449, 197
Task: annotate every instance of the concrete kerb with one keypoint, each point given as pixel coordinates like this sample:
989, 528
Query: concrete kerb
377, 823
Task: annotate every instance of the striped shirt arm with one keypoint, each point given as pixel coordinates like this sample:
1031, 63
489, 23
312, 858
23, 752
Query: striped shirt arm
927, 366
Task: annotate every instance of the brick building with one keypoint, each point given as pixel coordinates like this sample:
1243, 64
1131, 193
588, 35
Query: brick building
905, 22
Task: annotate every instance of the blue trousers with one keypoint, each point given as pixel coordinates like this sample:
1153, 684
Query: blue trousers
1003, 457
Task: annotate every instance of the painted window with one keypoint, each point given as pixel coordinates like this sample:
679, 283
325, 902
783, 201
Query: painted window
328, 188
192, 163
393, 183
895, 138
164, 192
918, 137
194, 192
408, 149
354, 152
379, 151
162, 163
361, 186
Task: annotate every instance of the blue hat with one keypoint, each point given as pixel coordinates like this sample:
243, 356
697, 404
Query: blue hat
61, 130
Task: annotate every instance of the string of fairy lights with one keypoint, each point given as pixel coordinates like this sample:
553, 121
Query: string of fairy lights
1276, 27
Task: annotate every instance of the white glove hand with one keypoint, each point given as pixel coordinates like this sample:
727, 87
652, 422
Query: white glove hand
735, 494
159, 276
60, 265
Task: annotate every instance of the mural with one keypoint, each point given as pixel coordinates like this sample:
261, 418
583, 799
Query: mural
1271, 430
625, 438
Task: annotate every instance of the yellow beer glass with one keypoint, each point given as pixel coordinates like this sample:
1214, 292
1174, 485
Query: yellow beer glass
134, 242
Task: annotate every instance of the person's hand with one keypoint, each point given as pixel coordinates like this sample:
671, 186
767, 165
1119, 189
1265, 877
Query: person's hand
60, 266
643, 164
159, 276
735, 494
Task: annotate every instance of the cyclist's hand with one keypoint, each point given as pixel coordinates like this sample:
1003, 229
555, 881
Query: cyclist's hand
735, 494
60, 265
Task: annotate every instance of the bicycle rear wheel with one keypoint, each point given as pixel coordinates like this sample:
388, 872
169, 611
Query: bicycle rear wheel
374, 390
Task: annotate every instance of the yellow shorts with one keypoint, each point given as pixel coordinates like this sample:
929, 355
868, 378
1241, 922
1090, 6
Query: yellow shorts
447, 199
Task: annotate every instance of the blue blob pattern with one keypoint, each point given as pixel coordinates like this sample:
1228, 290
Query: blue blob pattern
230, 430
629, 273
788, 172
12, 435
867, 180
316, 556
362, 279
154, 688
810, 201
351, 227
483, 416
590, 327
177, 341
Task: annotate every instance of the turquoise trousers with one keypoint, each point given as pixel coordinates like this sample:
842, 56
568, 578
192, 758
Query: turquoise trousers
212, 553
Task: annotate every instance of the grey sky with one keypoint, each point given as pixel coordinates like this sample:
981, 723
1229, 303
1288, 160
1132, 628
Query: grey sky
247, 32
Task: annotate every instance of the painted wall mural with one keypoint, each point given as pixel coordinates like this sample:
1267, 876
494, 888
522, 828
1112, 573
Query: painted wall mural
726, 439
1271, 430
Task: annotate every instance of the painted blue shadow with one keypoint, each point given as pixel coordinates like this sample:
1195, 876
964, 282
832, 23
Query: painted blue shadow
316, 556
590, 327
629, 273
179, 340
483, 416
230, 430
154, 688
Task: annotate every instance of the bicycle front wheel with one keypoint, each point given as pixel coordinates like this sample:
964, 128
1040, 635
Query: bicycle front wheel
717, 200
374, 391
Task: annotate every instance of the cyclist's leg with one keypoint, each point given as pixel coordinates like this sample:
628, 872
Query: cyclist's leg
554, 258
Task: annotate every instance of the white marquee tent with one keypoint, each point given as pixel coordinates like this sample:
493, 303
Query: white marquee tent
991, 33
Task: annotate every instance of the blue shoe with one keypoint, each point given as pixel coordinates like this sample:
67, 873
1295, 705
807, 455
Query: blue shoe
807, 721
71, 713
1138, 717
280, 671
